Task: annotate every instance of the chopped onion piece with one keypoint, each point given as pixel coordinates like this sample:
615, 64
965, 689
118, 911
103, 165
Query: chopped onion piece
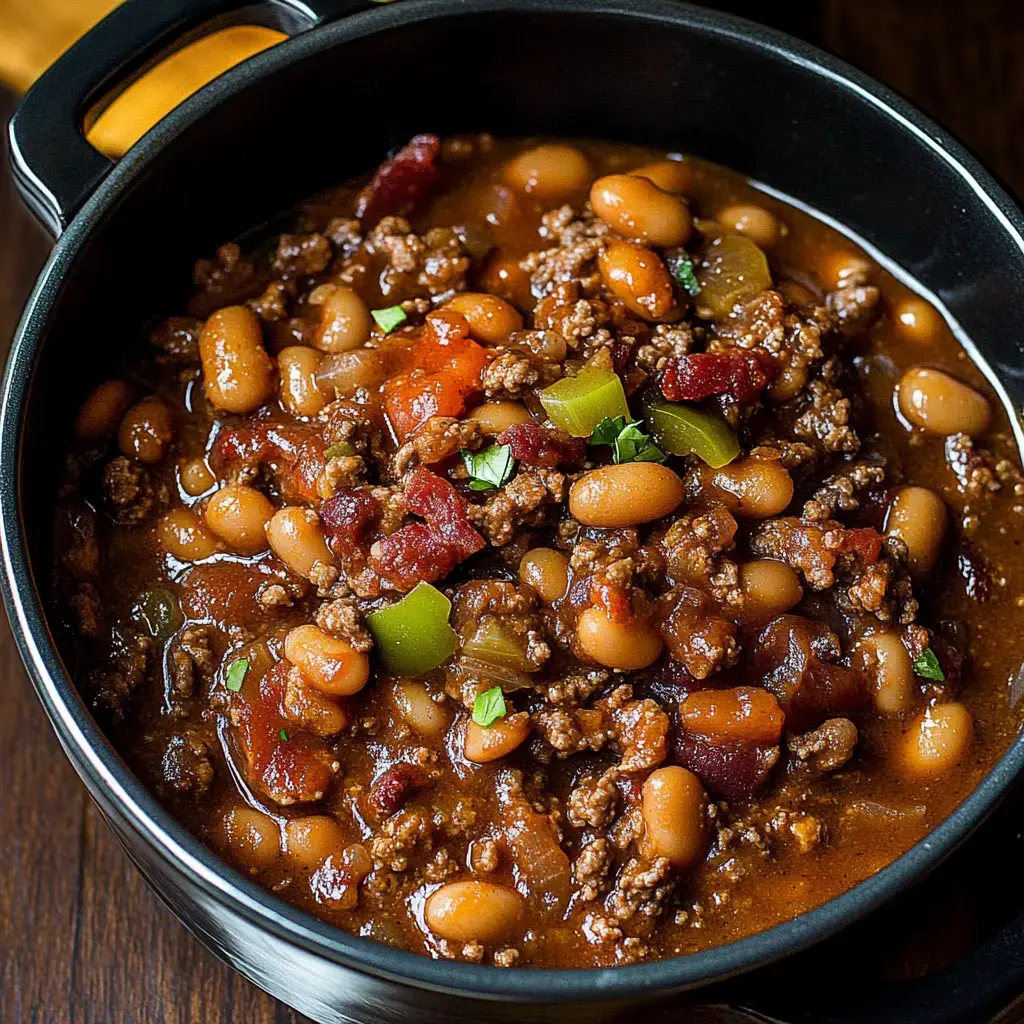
347, 372
734, 268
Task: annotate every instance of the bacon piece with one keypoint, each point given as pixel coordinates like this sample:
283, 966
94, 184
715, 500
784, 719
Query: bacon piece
537, 446
401, 181
293, 770
445, 510
740, 373
348, 517
425, 551
734, 771
413, 554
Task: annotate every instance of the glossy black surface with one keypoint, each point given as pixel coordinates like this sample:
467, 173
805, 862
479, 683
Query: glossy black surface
253, 143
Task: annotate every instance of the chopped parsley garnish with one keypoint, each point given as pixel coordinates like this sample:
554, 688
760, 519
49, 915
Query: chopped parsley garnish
283, 735
389, 318
608, 429
235, 675
489, 468
681, 267
927, 666
489, 706
687, 278
339, 450
629, 442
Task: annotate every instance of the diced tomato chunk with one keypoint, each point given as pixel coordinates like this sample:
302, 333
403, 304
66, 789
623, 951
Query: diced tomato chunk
298, 483
411, 401
444, 368
264, 443
295, 450
288, 765
740, 373
865, 541
401, 181
614, 599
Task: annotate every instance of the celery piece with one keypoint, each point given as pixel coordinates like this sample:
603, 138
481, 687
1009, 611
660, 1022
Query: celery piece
682, 430
578, 404
413, 636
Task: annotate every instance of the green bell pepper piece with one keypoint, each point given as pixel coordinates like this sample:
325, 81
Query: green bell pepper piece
577, 404
682, 430
413, 636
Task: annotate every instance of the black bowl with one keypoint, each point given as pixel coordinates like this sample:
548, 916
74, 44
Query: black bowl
325, 105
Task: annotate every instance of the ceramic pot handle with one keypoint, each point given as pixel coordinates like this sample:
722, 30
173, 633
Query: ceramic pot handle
55, 168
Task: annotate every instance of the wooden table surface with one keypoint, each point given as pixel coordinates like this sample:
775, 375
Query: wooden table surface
81, 938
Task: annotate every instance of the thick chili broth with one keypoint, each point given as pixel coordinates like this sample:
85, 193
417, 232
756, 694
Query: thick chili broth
799, 839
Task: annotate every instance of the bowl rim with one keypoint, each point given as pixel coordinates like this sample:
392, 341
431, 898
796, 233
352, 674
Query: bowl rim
131, 803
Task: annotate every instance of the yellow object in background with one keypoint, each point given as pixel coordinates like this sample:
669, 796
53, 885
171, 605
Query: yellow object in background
34, 33
162, 88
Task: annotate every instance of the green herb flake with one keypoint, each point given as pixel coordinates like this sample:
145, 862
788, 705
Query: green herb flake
633, 445
339, 450
686, 276
283, 735
235, 675
927, 666
489, 468
489, 706
608, 429
630, 443
389, 318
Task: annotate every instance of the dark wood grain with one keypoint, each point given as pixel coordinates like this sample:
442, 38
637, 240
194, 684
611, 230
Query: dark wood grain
958, 61
81, 938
